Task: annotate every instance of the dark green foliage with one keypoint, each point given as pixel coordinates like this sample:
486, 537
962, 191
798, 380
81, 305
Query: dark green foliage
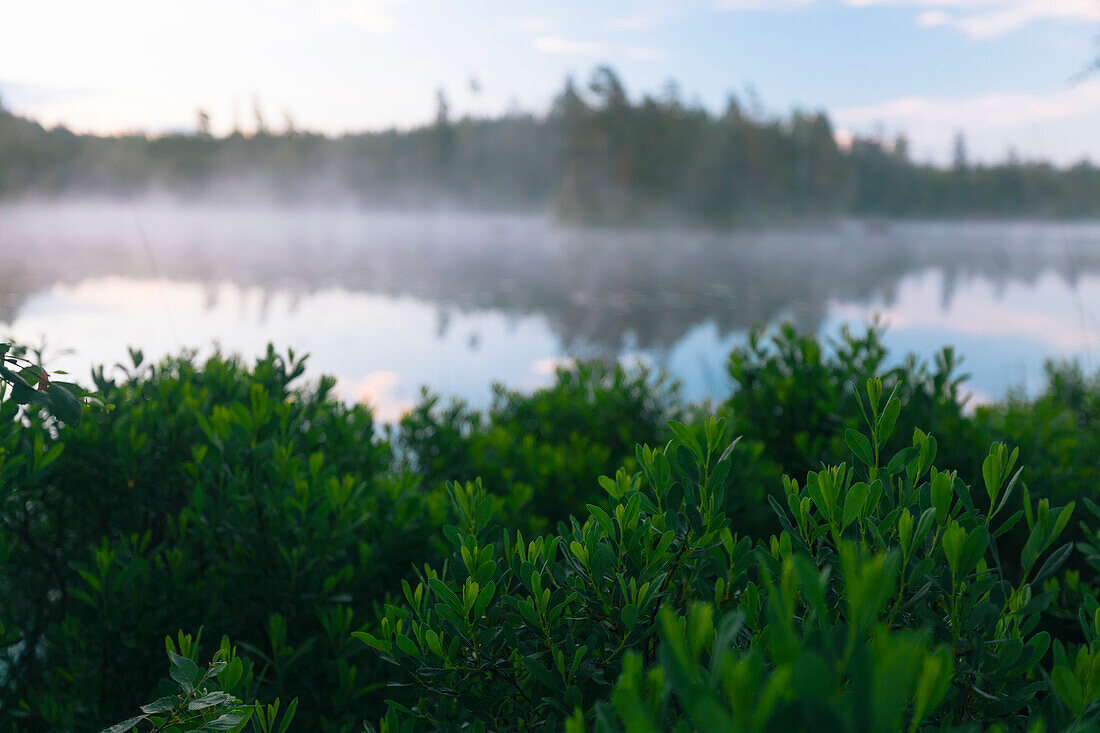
796, 393
218, 496
660, 160
546, 445
1059, 431
596, 157
794, 403
540, 450
221, 495
692, 585
884, 604
514, 634
207, 700
27, 383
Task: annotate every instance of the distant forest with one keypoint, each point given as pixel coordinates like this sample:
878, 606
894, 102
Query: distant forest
594, 157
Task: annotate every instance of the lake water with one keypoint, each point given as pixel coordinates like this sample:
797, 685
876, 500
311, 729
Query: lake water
388, 302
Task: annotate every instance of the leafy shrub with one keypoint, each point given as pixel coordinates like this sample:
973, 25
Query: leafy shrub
25, 382
32, 408
218, 496
890, 595
1058, 431
913, 552
207, 700
795, 393
546, 445
517, 633
883, 603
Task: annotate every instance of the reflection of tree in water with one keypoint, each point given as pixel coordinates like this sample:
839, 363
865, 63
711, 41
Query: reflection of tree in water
598, 288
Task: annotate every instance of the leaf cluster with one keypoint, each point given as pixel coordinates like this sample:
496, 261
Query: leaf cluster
206, 700
884, 603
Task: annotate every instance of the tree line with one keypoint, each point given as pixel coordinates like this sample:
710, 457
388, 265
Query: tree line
595, 157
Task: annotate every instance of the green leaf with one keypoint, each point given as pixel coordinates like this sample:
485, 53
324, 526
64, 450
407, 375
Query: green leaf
953, 539
1063, 520
932, 685
228, 721
813, 590
579, 552
977, 541
1054, 562
124, 725
686, 437
527, 610
897, 463
431, 638
161, 705
445, 594
1068, 689
888, 420
288, 716
860, 446
603, 519
854, 502
729, 449
407, 645
483, 599
209, 700
905, 529
24, 395
183, 671
1009, 523
1008, 491
991, 468
941, 496
924, 525
370, 640
63, 403
608, 484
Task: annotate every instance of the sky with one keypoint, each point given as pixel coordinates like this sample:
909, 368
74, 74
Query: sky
1006, 72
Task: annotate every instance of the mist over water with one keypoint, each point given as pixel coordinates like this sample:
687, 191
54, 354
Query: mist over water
390, 301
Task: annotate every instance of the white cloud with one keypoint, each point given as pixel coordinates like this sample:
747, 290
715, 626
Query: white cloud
989, 18
375, 16
531, 25
760, 4
565, 46
991, 110
110, 112
932, 18
991, 121
641, 20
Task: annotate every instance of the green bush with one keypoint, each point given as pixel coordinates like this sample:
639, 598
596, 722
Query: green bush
197, 699
701, 589
884, 603
888, 606
221, 495
546, 445
1058, 431
795, 392
216, 496
516, 633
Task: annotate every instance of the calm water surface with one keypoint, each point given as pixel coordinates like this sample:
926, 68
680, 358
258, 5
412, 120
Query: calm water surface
389, 302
